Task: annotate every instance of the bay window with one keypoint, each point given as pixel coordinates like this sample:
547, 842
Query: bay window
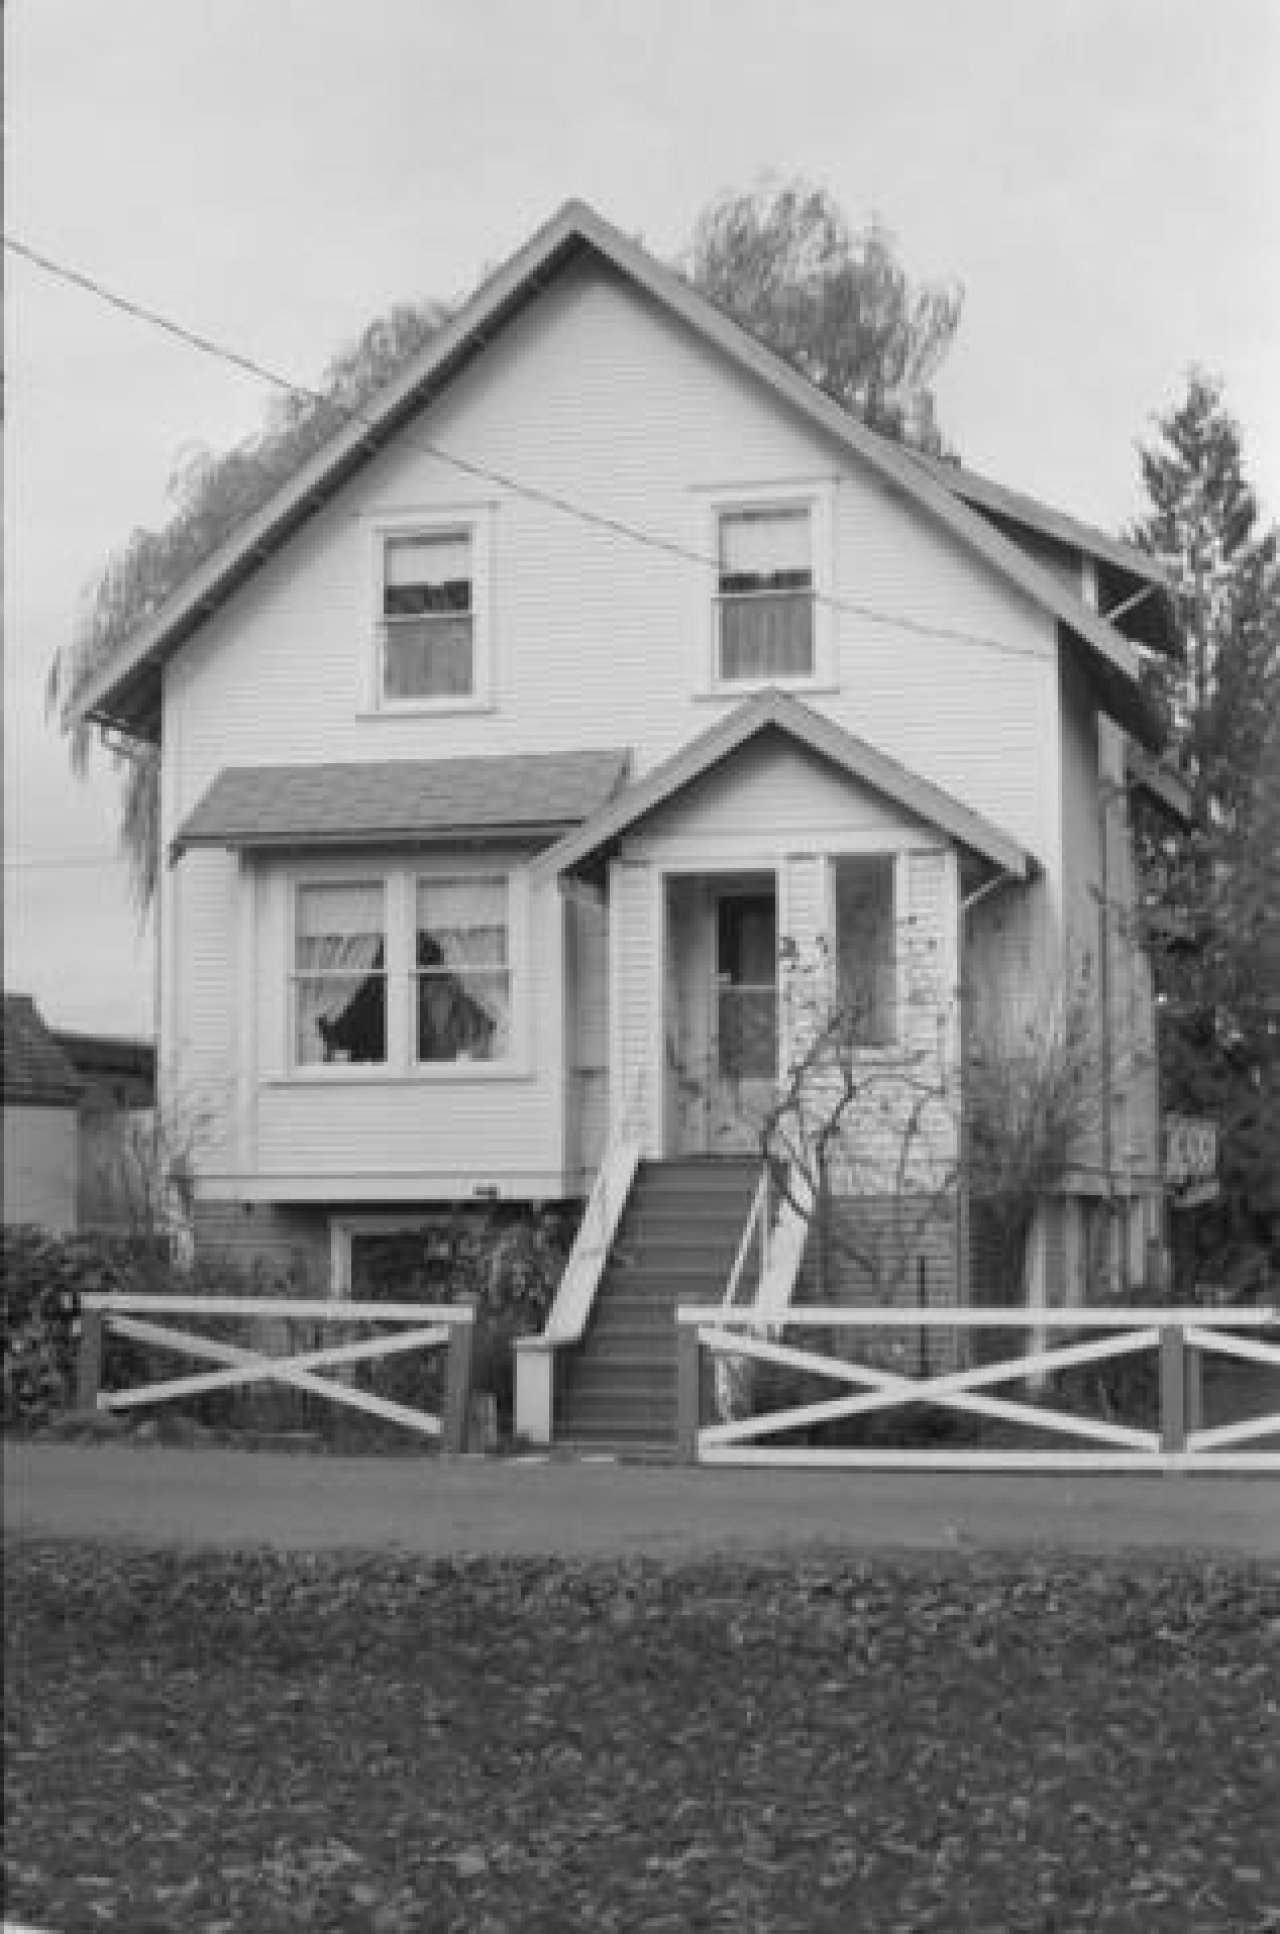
339, 977
462, 971
413, 971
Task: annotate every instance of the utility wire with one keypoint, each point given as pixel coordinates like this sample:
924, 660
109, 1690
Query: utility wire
532, 493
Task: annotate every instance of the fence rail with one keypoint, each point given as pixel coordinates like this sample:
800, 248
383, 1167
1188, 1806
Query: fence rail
430, 1326
1180, 1338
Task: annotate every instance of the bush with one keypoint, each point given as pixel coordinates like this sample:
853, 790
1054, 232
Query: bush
45, 1277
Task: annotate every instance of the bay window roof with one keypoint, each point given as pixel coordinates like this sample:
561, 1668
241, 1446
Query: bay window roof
533, 797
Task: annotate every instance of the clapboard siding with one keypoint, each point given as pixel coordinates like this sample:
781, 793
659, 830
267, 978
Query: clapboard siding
596, 397
769, 790
591, 395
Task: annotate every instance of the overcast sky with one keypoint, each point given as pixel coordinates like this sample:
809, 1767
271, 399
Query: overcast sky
1102, 175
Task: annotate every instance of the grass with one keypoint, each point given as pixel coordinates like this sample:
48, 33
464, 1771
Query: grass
260, 1742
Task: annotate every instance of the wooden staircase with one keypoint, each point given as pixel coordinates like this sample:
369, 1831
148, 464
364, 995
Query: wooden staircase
675, 1243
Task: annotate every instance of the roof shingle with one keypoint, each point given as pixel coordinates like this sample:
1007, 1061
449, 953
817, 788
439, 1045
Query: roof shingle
401, 799
35, 1069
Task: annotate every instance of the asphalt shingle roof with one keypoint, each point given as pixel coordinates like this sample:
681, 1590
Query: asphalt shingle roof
399, 799
35, 1067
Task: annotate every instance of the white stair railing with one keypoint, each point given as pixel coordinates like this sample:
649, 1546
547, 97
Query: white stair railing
567, 1320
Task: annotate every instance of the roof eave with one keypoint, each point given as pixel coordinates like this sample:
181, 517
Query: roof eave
105, 699
515, 283
583, 849
303, 839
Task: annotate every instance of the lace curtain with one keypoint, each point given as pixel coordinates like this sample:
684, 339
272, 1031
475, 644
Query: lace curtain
463, 970
339, 983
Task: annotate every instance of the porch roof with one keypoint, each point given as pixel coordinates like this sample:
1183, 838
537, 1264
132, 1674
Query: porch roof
524, 796
775, 710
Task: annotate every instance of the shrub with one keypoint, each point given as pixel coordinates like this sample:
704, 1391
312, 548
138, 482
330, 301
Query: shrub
45, 1277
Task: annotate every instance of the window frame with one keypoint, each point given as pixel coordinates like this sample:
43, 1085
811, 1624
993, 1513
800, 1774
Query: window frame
464, 876
816, 498
474, 523
328, 1070
399, 878
896, 860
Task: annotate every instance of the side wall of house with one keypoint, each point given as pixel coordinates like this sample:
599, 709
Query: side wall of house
593, 397
40, 1166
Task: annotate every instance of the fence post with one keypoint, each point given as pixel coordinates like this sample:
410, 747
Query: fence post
1173, 1388
688, 1392
457, 1390
89, 1362
1195, 1389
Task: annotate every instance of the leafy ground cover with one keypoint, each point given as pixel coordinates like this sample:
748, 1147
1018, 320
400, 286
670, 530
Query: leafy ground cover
258, 1741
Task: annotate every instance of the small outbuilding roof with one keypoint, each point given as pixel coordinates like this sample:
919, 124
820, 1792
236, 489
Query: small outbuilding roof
36, 1071
406, 801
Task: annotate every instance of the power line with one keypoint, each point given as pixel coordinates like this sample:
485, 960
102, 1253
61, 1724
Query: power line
533, 493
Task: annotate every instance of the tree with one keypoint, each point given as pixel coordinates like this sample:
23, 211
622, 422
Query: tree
835, 302
211, 494
1218, 890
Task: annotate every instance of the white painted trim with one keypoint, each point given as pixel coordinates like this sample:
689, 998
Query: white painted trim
310, 1308
378, 1185
987, 1316
398, 877
788, 1457
817, 496
245, 1016
476, 522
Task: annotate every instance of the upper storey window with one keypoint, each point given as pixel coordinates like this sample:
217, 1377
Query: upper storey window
433, 648
428, 621
765, 596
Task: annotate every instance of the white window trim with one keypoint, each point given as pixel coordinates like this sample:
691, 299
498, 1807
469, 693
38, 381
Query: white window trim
475, 522
401, 1067
336, 1070
818, 499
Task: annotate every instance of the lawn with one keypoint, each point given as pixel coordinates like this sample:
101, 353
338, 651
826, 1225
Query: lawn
221, 1742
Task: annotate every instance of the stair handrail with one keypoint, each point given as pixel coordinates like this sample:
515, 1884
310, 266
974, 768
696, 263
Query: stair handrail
567, 1318
787, 1239
757, 1224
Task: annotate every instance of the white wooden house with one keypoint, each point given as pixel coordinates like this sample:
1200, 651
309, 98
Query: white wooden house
503, 748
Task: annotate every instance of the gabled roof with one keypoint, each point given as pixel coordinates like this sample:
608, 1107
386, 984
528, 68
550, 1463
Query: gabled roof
1134, 591
35, 1069
529, 796
771, 711
125, 691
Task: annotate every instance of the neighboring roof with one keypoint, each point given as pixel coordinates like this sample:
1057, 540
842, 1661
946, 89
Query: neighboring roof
397, 800
35, 1069
109, 1055
125, 691
778, 711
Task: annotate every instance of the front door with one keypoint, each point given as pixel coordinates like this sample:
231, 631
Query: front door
744, 1017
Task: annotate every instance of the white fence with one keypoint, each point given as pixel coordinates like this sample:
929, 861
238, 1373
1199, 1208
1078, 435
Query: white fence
1180, 1338
431, 1326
